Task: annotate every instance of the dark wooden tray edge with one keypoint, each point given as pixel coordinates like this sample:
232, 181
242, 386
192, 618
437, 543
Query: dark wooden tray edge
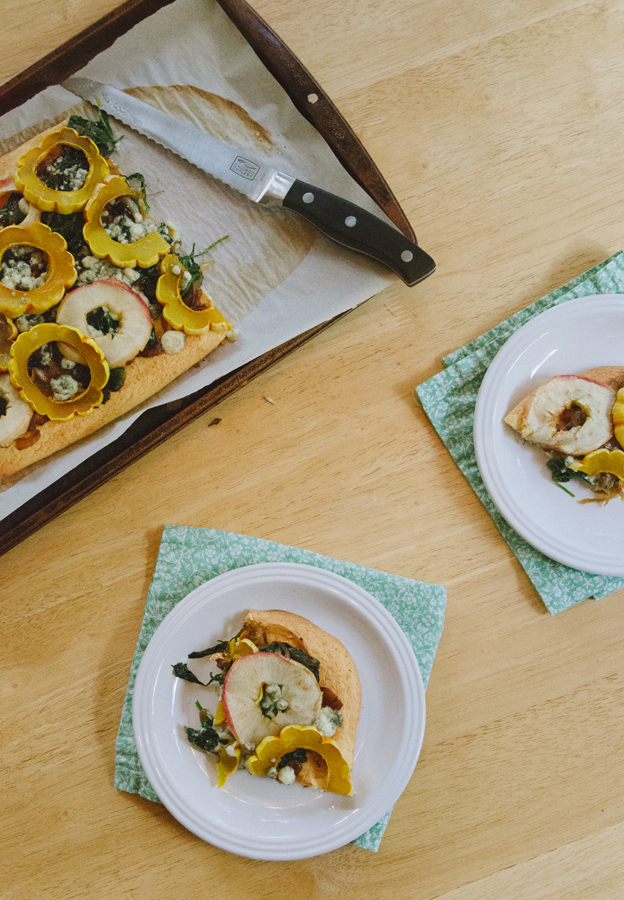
152, 428
312, 102
74, 54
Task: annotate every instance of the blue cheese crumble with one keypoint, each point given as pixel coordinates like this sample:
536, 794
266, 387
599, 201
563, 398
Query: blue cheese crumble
329, 721
173, 341
286, 775
28, 321
94, 269
64, 387
73, 177
45, 354
129, 226
16, 272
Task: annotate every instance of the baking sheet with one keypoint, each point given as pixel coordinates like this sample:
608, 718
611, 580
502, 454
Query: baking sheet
274, 277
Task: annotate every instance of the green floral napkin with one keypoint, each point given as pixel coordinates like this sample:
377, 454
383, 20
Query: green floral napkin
188, 557
449, 400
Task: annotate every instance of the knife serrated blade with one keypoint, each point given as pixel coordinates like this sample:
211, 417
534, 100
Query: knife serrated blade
339, 219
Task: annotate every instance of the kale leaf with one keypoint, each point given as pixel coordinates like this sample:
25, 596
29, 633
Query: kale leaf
193, 267
153, 339
295, 756
181, 670
561, 474
205, 738
146, 283
69, 226
221, 647
116, 378
100, 132
142, 190
11, 214
102, 321
295, 653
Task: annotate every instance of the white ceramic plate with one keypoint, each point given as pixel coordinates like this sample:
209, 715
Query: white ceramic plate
568, 339
257, 817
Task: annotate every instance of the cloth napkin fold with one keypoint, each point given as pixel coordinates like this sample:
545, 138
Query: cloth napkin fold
449, 400
188, 557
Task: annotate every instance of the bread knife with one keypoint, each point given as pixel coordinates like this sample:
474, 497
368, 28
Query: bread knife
342, 221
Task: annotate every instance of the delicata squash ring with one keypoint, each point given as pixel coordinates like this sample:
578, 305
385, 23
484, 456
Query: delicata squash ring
58, 410
603, 461
293, 737
35, 191
617, 414
144, 252
61, 269
175, 311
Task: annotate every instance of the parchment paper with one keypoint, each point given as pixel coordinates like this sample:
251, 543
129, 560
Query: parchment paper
274, 277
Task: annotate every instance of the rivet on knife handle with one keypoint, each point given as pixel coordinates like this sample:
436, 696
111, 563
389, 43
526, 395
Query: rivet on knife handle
356, 228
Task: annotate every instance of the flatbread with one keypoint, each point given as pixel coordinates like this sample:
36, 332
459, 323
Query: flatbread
145, 375
337, 672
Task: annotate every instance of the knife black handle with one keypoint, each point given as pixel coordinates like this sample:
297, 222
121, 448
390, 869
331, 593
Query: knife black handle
354, 227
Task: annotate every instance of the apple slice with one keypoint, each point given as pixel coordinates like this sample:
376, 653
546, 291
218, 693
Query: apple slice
547, 416
15, 418
127, 308
264, 692
7, 188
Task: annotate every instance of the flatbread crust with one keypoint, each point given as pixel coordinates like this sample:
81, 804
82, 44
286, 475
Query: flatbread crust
611, 376
337, 672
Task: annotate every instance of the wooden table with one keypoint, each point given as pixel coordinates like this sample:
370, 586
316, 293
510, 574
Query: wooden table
500, 127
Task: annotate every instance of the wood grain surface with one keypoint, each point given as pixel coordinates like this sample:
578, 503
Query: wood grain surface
498, 126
